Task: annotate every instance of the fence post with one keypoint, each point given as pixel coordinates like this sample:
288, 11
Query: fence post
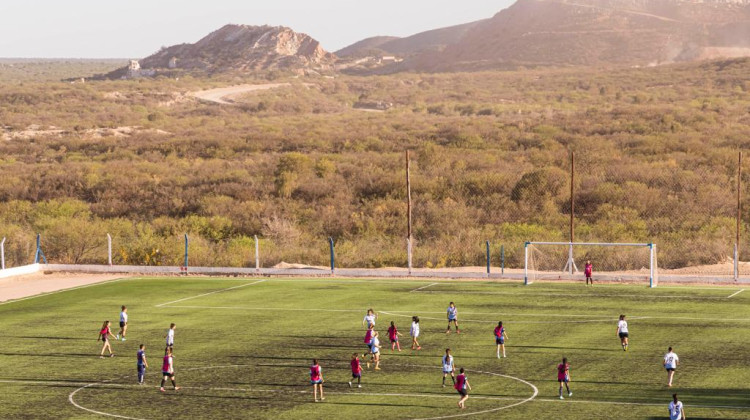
2, 254
488, 258
408, 253
39, 252
257, 254
526, 264
333, 261
502, 260
109, 249
187, 243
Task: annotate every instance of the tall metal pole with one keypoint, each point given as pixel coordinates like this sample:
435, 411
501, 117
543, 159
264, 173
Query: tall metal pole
186, 253
2, 254
488, 258
257, 254
333, 261
571, 262
739, 219
109, 249
408, 211
526, 263
502, 260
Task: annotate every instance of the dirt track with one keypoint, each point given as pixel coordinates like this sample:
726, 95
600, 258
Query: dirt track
224, 95
34, 284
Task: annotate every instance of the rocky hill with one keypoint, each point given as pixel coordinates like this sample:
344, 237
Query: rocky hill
599, 32
237, 48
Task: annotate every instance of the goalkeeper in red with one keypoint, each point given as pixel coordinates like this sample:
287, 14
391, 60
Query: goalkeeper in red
588, 270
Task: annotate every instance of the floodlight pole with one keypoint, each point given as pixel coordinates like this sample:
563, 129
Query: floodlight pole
333, 263
502, 260
739, 219
257, 254
2, 254
408, 211
526, 263
187, 243
652, 250
488, 258
39, 252
109, 249
570, 266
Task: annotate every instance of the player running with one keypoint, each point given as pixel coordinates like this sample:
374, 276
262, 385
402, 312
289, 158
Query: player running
414, 332
563, 376
452, 314
369, 319
375, 348
448, 367
170, 335
368, 341
500, 337
461, 385
588, 270
671, 361
167, 370
622, 332
356, 370
393, 337
676, 410
104, 335
123, 323
316, 379
142, 364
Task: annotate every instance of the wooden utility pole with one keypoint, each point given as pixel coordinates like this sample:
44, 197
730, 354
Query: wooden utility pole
739, 218
408, 212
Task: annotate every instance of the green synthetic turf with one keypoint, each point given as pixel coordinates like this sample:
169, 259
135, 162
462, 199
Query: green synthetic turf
244, 353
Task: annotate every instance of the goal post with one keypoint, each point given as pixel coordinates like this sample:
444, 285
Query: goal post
635, 262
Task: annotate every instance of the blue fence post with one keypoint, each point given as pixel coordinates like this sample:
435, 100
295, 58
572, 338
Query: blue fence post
488, 258
526, 263
502, 260
333, 260
39, 252
185, 264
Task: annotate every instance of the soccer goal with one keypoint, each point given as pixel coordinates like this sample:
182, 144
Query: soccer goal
611, 261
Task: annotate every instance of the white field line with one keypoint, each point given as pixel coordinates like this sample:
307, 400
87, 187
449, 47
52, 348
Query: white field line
576, 295
536, 392
65, 290
210, 293
735, 293
400, 312
423, 287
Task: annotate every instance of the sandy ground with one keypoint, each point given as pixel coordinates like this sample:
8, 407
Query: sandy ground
224, 95
34, 284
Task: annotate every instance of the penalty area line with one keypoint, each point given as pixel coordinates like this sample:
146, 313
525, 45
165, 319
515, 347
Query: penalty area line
210, 293
735, 293
423, 287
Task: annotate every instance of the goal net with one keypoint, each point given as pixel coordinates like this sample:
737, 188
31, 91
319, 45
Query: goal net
632, 262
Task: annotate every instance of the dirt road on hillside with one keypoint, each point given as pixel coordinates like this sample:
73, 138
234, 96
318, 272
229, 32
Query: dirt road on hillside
224, 95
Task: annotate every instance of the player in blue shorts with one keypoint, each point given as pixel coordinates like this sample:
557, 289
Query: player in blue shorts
500, 337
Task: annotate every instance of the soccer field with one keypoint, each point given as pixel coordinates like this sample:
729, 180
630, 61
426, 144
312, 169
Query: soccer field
243, 349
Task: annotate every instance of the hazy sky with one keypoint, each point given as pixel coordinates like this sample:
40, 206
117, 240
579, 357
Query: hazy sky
138, 28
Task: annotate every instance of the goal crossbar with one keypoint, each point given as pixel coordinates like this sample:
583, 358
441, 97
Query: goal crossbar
570, 266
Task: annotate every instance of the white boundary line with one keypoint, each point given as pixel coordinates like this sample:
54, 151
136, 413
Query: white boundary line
735, 293
423, 287
71, 396
210, 293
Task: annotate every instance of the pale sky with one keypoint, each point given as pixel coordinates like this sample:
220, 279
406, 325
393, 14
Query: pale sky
138, 28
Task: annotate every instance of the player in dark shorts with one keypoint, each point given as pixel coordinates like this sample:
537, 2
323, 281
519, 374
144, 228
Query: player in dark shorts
463, 388
104, 335
167, 370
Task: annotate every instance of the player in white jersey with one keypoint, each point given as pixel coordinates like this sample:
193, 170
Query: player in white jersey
448, 367
375, 348
414, 332
452, 314
676, 410
671, 361
622, 332
123, 324
170, 335
369, 318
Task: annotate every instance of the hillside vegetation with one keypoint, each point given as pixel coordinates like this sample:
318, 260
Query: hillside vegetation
656, 152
